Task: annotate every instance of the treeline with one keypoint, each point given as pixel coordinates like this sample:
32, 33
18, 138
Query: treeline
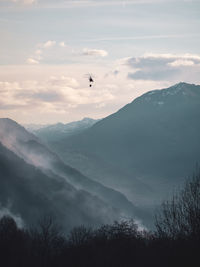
175, 242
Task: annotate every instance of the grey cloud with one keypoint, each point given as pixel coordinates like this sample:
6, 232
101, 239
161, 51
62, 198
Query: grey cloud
116, 72
161, 66
152, 74
48, 96
95, 52
4, 106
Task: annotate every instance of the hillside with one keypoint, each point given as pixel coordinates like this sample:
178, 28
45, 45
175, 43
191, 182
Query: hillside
29, 194
33, 152
153, 140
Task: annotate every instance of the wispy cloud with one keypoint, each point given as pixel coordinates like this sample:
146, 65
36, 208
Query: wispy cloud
25, 2
59, 52
62, 44
48, 44
144, 37
96, 3
32, 61
37, 56
181, 62
94, 52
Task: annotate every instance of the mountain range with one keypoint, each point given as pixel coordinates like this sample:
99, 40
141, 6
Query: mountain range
58, 131
146, 149
98, 203
92, 172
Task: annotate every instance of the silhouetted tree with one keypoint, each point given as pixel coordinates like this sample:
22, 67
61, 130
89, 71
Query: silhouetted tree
47, 242
178, 227
175, 242
13, 243
80, 236
180, 216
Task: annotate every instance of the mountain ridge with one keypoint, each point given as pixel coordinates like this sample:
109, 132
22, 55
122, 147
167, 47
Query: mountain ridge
38, 155
158, 144
60, 130
30, 194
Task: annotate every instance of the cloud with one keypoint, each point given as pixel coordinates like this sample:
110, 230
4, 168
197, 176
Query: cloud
63, 81
38, 52
162, 66
35, 59
96, 3
60, 4
62, 44
95, 52
143, 37
32, 61
48, 44
56, 93
181, 62
48, 94
62, 93
52, 52
26, 2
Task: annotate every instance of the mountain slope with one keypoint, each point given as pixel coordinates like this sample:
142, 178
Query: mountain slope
154, 139
27, 192
28, 147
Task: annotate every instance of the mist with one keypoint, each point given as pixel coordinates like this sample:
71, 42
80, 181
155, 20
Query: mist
60, 184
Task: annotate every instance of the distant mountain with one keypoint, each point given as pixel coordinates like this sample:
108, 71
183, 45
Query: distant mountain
31, 127
153, 141
28, 147
59, 131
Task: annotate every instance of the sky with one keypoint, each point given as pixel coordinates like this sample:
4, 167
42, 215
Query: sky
48, 47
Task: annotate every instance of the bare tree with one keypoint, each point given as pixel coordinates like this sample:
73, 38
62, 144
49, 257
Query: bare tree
180, 216
47, 241
119, 230
8, 227
80, 236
